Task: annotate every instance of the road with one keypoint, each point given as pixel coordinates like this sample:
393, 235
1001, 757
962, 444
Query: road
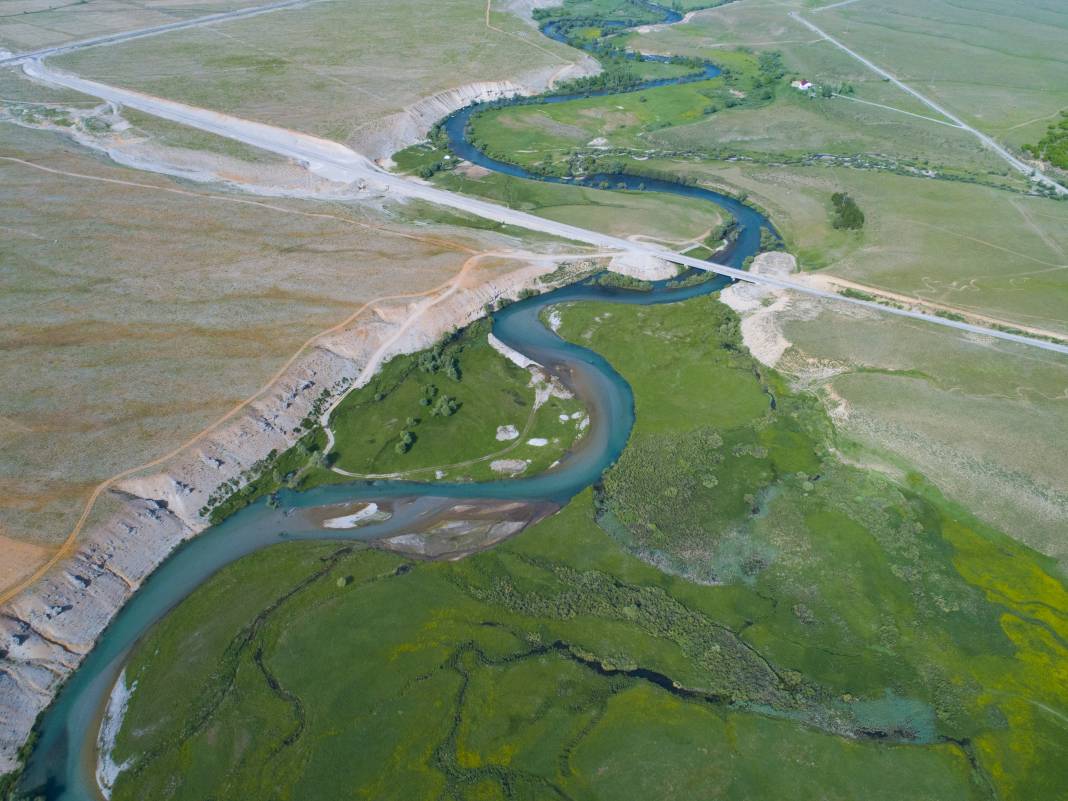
115, 38
835, 283
340, 163
988, 141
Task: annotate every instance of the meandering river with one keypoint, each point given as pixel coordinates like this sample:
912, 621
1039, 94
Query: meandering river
61, 765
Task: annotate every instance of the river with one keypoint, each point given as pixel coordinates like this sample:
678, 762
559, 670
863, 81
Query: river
61, 766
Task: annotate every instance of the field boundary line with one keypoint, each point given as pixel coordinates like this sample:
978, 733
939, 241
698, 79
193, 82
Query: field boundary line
1017, 164
898, 110
155, 30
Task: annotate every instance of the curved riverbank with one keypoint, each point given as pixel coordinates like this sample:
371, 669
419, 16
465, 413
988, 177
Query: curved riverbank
60, 766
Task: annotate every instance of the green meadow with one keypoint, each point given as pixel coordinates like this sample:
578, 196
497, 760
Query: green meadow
735, 613
412, 394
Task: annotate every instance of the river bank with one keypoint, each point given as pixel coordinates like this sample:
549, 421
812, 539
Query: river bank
55, 623
611, 410
615, 604
52, 625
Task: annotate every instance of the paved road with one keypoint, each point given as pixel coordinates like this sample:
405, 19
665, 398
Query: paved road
1014, 162
115, 38
339, 163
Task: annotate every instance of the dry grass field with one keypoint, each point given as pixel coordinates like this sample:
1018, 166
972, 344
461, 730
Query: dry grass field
137, 309
34, 24
346, 71
1002, 65
976, 416
107, 282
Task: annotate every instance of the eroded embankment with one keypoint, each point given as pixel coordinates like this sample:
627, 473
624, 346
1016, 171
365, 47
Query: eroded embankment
397, 131
53, 624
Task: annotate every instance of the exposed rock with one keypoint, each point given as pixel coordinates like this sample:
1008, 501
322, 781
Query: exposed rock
468, 527
644, 267
507, 433
369, 513
511, 354
508, 466
398, 131
759, 307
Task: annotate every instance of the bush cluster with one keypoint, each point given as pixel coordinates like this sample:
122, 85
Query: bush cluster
847, 215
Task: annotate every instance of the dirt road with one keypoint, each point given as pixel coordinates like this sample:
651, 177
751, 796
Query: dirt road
339, 163
988, 141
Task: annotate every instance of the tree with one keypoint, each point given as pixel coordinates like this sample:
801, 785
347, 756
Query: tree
452, 370
768, 240
847, 214
445, 406
430, 360
770, 65
404, 444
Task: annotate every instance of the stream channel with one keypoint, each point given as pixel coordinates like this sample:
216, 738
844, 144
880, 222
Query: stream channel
61, 766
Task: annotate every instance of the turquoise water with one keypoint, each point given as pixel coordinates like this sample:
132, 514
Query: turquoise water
60, 766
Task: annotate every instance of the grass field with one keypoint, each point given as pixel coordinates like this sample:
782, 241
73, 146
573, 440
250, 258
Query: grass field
799, 125
677, 119
973, 415
348, 72
999, 64
868, 122
489, 392
164, 304
622, 119
979, 249
673, 221
34, 24
853, 611
759, 26
538, 135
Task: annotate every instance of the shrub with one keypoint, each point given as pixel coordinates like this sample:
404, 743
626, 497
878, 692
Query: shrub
407, 439
847, 214
445, 407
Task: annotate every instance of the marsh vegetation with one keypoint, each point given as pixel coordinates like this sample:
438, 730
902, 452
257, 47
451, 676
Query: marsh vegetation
732, 584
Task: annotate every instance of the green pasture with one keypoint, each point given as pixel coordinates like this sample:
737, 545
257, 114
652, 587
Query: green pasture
489, 391
875, 637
